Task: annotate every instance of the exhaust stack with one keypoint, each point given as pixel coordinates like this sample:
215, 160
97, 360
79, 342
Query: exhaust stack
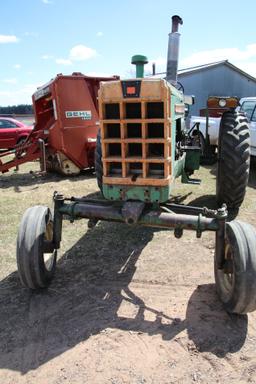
173, 50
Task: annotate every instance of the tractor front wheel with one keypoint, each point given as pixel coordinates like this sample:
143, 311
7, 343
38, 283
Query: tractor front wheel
36, 256
236, 280
233, 160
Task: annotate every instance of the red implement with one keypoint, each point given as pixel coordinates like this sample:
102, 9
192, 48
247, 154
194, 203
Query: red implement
66, 126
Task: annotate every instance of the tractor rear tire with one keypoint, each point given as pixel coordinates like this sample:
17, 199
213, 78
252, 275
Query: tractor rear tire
36, 256
236, 281
233, 160
98, 162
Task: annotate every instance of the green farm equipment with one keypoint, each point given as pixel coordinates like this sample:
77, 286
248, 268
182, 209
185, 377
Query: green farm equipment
142, 146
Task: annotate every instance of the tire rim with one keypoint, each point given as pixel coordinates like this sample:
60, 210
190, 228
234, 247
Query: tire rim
228, 269
49, 257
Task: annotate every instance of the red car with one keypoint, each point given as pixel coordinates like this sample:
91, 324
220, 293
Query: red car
12, 132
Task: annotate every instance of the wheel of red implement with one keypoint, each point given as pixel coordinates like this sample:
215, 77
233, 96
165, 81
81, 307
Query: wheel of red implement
36, 256
21, 140
236, 280
19, 152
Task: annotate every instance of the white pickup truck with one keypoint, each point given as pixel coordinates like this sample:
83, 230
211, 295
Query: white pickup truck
247, 105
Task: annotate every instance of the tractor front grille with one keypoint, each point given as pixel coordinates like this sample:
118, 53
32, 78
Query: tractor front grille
136, 134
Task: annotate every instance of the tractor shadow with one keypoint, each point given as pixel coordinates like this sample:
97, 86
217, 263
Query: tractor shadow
208, 201
35, 179
92, 280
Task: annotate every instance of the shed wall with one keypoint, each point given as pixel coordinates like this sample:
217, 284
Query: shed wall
217, 81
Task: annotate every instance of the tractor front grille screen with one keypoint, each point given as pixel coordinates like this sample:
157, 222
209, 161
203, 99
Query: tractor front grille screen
136, 141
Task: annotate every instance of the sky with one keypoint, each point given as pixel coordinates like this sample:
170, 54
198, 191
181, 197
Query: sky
41, 38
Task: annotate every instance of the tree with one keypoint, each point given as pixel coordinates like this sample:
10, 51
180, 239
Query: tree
21, 109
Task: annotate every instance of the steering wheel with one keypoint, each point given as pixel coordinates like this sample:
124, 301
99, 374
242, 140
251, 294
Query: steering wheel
179, 86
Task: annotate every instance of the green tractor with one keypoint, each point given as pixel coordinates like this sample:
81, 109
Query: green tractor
142, 147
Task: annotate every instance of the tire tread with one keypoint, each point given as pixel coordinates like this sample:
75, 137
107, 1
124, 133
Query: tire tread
233, 159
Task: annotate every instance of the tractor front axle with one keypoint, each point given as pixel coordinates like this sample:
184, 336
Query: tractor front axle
169, 216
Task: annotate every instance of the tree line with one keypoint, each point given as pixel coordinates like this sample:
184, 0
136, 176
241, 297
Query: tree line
21, 109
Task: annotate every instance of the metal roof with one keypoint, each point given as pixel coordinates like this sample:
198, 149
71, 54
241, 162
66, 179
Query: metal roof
200, 67
187, 71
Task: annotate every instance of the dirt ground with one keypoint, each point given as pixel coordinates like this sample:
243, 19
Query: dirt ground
127, 305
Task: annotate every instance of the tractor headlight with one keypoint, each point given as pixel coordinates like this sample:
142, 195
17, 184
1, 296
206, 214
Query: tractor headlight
222, 103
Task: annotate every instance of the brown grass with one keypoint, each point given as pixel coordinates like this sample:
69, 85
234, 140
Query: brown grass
22, 189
